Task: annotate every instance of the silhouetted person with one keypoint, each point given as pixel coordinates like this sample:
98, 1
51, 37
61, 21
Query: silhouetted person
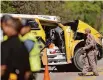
14, 55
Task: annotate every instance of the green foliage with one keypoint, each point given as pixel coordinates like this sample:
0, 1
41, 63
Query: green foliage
101, 29
6, 7
90, 12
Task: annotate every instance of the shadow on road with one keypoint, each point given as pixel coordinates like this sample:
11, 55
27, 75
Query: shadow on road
67, 68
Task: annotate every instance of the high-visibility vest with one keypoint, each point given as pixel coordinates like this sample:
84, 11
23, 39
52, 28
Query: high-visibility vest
34, 55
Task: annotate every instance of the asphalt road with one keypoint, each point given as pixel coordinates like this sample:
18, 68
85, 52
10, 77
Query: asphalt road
70, 76
69, 72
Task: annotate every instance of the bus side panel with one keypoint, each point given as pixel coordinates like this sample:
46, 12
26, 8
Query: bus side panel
82, 26
41, 33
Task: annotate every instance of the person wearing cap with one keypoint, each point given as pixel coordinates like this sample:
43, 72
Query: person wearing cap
90, 62
33, 45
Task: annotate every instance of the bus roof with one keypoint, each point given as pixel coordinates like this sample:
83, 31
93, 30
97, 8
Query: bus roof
41, 17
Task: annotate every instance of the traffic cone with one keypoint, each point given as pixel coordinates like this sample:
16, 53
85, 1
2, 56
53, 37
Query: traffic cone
46, 73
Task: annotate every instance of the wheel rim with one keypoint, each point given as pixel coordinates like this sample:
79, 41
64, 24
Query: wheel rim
78, 59
79, 62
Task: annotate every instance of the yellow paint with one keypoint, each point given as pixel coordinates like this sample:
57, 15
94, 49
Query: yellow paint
82, 26
40, 32
85, 78
13, 76
70, 43
67, 41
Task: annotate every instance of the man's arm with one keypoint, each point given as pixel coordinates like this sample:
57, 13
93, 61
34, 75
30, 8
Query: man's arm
92, 43
29, 44
88, 46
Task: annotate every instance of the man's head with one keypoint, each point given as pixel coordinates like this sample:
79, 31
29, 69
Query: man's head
25, 30
11, 26
5, 19
26, 27
87, 31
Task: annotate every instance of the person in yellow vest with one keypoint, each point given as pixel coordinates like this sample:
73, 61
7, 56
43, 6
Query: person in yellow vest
34, 46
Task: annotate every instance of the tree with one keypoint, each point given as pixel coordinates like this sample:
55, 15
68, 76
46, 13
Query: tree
89, 12
7, 7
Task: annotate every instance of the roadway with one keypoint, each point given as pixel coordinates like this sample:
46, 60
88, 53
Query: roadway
71, 73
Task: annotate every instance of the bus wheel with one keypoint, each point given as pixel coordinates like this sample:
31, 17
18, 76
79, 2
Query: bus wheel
78, 59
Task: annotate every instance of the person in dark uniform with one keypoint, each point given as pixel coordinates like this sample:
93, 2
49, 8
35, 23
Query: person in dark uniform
91, 52
14, 55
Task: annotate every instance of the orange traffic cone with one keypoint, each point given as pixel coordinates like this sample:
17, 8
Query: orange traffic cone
46, 73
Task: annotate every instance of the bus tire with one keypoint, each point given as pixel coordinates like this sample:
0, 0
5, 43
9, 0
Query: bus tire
78, 59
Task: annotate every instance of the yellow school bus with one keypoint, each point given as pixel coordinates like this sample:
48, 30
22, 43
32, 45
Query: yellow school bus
68, 38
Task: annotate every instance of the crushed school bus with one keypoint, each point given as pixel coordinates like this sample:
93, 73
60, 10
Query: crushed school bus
65, 40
